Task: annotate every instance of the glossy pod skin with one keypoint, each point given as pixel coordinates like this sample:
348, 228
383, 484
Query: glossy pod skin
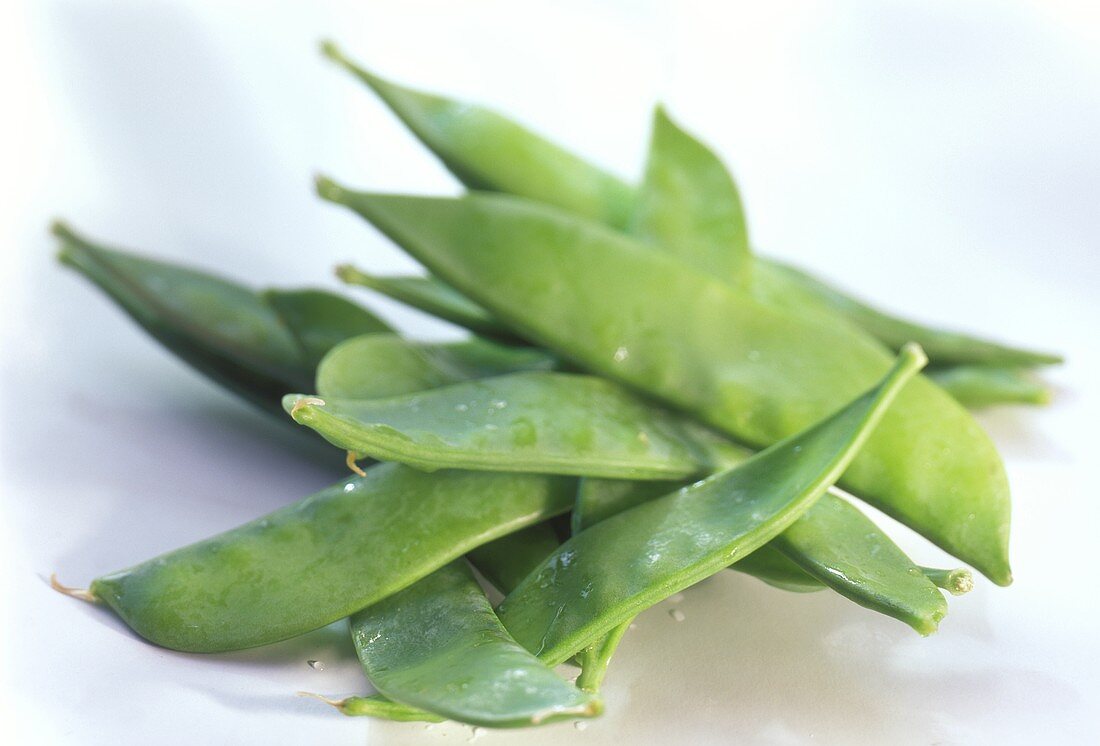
324, 557
490, 168
608, 573
433, 297
377, 366
489, 151
689, 206
237, 337
550, 423
758, 373
438, 646
506, 561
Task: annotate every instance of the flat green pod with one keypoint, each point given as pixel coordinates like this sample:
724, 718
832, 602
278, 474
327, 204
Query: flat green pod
551, 423
980, 386
689, 205
486, 150
432, 296
605, 575
378, 366
324, 557
438, 646
222, 329
758, 373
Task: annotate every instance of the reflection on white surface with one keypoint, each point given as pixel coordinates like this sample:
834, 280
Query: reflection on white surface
941, 158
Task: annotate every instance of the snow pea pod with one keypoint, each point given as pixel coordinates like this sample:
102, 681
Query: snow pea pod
754, 371
488, 168
689, 205
552, 423
841, 547
377, 706
320, 320
258, 346
438, 646
978, 386
432, 296
785, 286
321, 559
489, 151
611, 571
376, 366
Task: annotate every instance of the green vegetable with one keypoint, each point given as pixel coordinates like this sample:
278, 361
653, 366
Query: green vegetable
758, 373
377, 366
319, 320
553, 423
489, 151
324, 557
438, 646
431, 296
605, 575
508, 560
689, 205
977, 386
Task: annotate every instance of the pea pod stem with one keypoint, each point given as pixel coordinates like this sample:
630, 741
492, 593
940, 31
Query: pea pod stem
378, 707
956, 582
82, 594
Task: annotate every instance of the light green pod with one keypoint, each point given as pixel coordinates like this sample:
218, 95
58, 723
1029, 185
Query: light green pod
489, 151
551, 423
979, 386
432, 296
689, 206
378, 366
608, 573
324, 557
437, 646
756, 372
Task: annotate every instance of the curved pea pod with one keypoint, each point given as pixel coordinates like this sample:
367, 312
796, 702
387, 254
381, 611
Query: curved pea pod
438, 646
222, 329
377, 366
552, 423
977, 386
433, 297
754, 371
689, 205
320, 320
377, 706
600, 499
506, 561
785, 286
611, 571
488, 151
843, 549
324, 557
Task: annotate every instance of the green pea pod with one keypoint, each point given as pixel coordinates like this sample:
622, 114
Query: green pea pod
433, 297
378, 366
488, 151
377, 706
785, 286
553, 423
506, 561
320, 320
324, 557
608, 573
221, 329
978, 386
488, 167
599, 499
438, 646
756, 372
844, 549
689, 205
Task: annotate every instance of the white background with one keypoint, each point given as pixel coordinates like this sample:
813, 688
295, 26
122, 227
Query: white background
942, 158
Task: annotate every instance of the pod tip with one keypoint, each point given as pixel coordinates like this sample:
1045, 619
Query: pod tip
295, 403
80, 593
327, 188
337, 703
350, 461
913, 355
329, 49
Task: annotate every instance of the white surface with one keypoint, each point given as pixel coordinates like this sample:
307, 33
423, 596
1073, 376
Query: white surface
940, 157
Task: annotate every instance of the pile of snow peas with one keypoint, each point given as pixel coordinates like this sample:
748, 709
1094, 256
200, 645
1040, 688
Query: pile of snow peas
643, 401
